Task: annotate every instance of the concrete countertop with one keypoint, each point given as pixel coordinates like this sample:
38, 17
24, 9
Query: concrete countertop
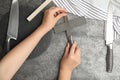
90, 38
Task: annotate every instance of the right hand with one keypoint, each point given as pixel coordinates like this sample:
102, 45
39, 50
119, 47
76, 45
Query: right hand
52, 15
71, 58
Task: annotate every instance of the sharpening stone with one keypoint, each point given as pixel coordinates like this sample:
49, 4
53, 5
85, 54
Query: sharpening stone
73, 24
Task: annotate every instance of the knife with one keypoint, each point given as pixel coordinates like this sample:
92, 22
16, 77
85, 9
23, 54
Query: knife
13, 24
109, 37
68, 33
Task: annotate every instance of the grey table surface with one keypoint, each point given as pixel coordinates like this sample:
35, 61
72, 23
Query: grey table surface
90, 38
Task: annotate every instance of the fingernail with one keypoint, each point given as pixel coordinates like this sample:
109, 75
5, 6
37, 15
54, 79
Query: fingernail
66, 10
74, 42
68, 44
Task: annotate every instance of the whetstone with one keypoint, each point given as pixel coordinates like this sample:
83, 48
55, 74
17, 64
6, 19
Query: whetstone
73, 23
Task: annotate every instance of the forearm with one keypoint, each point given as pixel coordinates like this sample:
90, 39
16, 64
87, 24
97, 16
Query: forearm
64, 75
16, 57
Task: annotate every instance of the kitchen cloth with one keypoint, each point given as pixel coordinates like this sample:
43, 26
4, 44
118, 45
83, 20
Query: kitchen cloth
94, 9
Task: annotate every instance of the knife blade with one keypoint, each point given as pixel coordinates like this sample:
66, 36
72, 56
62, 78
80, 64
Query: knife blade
13, 24
68, 33
109, 37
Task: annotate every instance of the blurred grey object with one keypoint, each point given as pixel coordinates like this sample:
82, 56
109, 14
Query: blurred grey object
13, 24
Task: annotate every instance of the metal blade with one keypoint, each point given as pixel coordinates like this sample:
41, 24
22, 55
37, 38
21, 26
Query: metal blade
109, 34
68, 33
13, 20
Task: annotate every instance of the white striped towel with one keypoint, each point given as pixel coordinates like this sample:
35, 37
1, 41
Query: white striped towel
94, 9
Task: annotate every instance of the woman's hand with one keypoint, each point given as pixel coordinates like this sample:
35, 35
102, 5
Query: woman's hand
71, 58
52, 15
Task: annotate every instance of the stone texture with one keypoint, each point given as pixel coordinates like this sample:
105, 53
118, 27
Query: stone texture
90, 38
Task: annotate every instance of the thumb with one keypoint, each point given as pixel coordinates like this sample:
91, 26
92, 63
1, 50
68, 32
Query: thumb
67, 49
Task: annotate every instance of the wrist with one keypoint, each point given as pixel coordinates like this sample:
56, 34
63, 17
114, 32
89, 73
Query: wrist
65, 74
48, 27
45, 28
66, 70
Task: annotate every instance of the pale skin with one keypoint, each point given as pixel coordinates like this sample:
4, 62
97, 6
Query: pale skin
10, 64
70, 60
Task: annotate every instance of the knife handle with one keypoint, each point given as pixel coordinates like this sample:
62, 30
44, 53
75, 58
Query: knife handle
6, 47
109, 58
70, 40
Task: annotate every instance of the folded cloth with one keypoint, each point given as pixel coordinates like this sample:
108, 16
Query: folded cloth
115, 7
94, 9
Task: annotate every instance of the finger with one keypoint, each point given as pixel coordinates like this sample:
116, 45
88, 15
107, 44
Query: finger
72, 50
57, 9
77, 51
57, 13
67, 49
60, 15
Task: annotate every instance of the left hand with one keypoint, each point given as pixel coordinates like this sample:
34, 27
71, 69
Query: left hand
52, 15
